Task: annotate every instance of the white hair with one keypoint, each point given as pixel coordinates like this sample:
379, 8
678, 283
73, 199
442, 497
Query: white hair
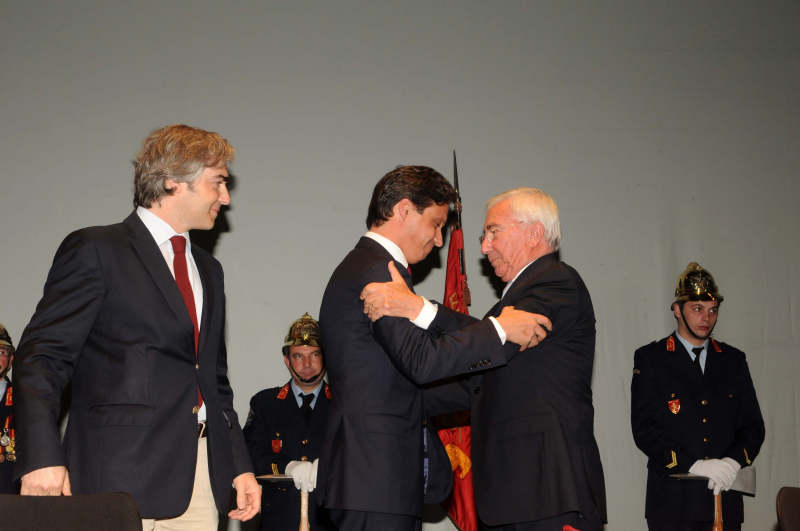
532, 206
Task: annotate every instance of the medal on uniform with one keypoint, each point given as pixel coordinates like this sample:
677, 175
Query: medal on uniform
674, 406
4, 439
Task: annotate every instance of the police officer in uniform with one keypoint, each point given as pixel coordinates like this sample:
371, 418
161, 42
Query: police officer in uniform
7, 434
285, 430
694, 409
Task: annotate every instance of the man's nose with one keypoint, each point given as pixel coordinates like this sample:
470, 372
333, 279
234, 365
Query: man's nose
224, 196
486, 246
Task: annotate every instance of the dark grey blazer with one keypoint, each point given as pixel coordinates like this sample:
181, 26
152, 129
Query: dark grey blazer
372, 457
534, 453
112, 321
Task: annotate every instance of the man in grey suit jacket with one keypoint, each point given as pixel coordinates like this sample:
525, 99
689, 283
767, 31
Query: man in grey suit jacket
535, 461
134, 318
371, 468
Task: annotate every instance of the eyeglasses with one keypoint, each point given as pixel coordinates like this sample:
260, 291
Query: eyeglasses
488, 234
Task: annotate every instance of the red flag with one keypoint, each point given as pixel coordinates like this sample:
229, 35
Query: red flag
456, 437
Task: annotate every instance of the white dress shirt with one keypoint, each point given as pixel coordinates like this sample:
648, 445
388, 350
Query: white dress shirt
162, 232
428, 313
298, 393
689, 347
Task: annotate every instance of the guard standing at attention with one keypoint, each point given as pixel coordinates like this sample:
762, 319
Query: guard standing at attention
285, 430
694, 409
7, 434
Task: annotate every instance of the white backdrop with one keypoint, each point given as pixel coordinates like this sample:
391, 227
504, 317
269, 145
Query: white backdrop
667, 132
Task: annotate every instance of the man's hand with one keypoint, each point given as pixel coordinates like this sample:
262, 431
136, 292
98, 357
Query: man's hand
720, 473
248, 497
50, 481
392, 299
523, 328
304, 474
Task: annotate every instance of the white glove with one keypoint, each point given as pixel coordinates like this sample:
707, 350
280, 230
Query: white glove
720, 473
736, 467
301, 472
313, 475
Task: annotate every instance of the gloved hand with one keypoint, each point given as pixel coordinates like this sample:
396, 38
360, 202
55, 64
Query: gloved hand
719, 473
736, 467
301, 472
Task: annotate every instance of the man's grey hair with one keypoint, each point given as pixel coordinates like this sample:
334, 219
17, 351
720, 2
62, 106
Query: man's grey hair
532, 205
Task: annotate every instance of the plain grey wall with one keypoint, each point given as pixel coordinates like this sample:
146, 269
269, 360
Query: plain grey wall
666, 131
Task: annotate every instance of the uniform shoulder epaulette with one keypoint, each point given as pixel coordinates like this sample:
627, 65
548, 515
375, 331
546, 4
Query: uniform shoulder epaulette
8, 396
716, 345
284, 392
670, 344
328, 391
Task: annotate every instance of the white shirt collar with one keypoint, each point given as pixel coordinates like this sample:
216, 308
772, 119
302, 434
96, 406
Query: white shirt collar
515, 278
390, 246
688, 345
160, 229
297, 391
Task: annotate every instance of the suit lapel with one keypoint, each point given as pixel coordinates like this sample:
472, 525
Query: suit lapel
372, 245
150, 255
521, 283
208, 296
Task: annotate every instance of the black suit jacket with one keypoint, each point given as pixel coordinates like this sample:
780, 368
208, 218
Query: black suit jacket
678, 417
7, 483
277, 433
112, 320
533, 447
372, 457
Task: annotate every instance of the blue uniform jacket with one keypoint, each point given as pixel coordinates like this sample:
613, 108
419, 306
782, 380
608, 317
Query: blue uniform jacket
678, 417
276, 433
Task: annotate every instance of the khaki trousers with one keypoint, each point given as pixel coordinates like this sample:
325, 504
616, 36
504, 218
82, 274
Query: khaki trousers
202, 514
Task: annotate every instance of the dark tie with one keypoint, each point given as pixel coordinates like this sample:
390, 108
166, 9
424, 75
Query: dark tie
182, 278
305, 409
697, 351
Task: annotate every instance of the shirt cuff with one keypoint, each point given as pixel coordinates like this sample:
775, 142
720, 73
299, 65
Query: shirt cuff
427, 315
500, 331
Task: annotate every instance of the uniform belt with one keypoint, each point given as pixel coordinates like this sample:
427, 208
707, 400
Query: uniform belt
202, 430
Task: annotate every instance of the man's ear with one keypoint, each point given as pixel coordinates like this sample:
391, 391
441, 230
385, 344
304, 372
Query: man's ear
288, 364
404, 207
536, 234
677, 311
169, 184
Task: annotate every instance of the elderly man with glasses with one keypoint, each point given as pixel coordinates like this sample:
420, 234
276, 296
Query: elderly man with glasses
536, 462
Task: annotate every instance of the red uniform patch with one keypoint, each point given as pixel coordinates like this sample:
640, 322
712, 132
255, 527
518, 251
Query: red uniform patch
328, 391
671, 344
674, 406
283, 393
8, 396
716, 346
276, 445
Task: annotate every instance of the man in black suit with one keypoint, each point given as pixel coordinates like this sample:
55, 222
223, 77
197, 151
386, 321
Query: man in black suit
285, 429
7, 432
536, 465
694, 409
372, 472
134, 318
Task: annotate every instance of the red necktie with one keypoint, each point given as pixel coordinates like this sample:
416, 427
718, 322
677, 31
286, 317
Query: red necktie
182, 278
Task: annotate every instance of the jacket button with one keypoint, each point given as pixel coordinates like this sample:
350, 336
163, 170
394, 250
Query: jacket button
197, 366
195, 409
673, 395
305, 441
304, 458
706, 458
478, 390
705, 439
730, 396
704, 402
705, 421
277, 435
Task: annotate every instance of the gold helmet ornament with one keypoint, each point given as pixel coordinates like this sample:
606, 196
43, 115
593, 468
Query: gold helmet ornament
696, 284
304, 331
